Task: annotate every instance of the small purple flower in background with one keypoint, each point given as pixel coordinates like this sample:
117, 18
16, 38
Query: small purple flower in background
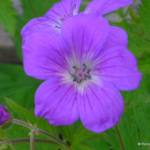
54, 18
4, 115
84, 69
64, 9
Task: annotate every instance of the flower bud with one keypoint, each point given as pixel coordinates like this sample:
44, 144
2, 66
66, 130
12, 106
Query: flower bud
5, 116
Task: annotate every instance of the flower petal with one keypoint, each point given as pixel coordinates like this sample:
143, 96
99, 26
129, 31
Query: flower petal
100, 107
117, 37
102, 7
39, 50
54, 17
62, 10
40, 24
85, 34
119, 66
56, 102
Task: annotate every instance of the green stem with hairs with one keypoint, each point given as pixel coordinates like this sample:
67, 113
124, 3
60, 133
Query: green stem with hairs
34, 130
32, 140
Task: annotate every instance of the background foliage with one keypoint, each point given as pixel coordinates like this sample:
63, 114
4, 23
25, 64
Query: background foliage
17, 90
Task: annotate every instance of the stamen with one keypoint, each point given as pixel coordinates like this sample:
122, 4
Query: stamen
80, 74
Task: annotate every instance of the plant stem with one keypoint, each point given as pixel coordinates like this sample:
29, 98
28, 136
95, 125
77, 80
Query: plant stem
120, 138
24, 140
32, 140
22, 123
36, 130
31, 127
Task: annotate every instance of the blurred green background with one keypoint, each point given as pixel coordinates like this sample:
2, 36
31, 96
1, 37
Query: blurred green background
17, 90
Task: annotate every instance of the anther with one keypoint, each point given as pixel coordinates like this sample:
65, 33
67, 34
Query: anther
80, 74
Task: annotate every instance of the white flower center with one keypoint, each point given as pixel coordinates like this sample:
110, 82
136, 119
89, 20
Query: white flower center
80, 74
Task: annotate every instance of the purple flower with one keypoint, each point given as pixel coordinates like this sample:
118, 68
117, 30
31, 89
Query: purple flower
52, 21
84, 69
4, 115
54, 18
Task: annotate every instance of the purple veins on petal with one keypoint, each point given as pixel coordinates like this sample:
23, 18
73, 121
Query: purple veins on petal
100, 107
38, 57
119, 66
56, 102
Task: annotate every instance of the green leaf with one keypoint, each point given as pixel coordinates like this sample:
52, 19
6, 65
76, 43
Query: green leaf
16, 85
36, 8
144, 16
27, 115
21, 111
8, 16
